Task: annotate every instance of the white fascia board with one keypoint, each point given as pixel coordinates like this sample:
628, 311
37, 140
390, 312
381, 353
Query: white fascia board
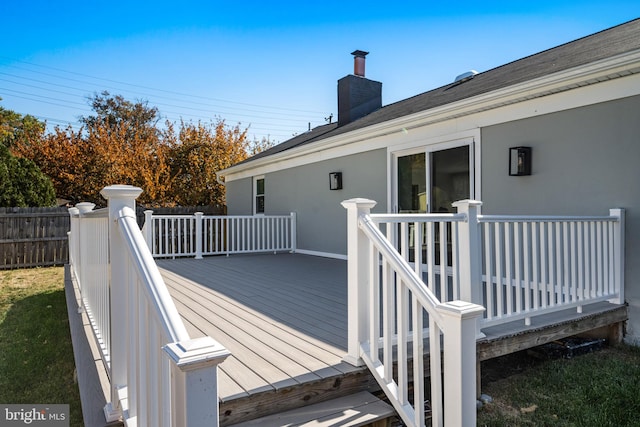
546, 90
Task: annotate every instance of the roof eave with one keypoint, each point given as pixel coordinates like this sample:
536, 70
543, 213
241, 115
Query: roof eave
592, 73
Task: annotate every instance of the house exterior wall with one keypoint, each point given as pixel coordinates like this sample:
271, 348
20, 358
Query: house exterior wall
239, 196
584, 162
322, 226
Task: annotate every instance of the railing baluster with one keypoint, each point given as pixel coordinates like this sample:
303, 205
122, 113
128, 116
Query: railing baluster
435, 366
600, 264
526, 242
489, 303
402, 314
573, 264
455, 275
431, 262
517, 259
507, 269
388, 316
499, 259
593, 259
444, 288
418, 359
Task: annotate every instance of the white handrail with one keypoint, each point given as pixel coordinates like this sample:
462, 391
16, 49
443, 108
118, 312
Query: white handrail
152, 282
388, 304
159, 375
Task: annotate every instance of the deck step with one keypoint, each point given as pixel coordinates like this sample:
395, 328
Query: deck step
359, 409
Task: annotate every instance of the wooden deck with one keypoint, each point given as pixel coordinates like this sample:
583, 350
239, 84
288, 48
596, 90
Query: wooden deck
284, 319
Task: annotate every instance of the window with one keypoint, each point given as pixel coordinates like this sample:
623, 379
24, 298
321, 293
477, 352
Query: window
258, 207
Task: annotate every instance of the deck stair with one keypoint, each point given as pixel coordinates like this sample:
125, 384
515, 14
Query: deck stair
359, 409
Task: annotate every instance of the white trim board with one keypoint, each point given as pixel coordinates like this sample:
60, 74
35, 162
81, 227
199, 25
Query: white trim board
321, 254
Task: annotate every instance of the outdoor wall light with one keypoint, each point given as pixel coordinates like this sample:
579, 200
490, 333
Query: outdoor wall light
335, 181
519, 161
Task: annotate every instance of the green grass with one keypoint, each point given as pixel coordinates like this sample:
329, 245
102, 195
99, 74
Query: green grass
595, 389
36, 356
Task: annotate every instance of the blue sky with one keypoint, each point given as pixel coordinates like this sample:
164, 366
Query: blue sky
271, 66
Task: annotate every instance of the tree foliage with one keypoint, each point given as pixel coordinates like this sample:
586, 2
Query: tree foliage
16, 127
122, 143
22, 183
202, 151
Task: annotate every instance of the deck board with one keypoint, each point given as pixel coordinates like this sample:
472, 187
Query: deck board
281, 329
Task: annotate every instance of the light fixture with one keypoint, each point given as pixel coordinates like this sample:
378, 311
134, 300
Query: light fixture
335, 181
519, 161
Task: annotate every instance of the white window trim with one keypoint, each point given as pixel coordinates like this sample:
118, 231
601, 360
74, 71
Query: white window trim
471, 139
255, 194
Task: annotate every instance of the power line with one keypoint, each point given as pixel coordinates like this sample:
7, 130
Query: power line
277, 122
270, 107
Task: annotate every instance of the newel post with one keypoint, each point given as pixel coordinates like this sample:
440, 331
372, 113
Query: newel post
470, 254
619, 253
194, 381
294, 236
118, 197
199, 236
358, 285
147, 229
459, 326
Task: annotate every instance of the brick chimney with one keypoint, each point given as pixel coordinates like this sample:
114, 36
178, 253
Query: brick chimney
357, 95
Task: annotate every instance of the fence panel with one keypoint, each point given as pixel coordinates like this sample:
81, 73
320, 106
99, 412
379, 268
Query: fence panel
33, 237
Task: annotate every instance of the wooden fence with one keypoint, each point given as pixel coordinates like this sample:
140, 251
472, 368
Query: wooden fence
33, 237
37, 237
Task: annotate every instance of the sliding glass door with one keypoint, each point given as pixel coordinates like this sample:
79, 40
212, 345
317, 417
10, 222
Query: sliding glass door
430, 181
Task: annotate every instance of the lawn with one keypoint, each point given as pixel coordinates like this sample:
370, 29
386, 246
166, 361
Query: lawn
36, 356
596, 389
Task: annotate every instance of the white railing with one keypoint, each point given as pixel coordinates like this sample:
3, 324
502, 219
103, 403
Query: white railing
535, 265
523, 265
388, 305
159, 375
404, 269
90, 257
197, 235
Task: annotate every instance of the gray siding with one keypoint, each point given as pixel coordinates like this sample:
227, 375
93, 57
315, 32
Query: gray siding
322, 223
305, 190
240, 197
584, 161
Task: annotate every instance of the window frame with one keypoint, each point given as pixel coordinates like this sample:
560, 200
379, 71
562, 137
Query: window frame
256, 195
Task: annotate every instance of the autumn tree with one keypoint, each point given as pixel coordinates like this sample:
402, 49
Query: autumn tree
122, 143
115, 112
202, 150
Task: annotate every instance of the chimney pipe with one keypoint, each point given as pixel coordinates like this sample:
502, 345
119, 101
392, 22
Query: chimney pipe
358, 62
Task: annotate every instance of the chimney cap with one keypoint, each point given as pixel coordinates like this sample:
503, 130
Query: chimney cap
359, 53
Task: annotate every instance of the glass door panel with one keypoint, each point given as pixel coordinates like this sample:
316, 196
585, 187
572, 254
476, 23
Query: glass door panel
450, 178
412, 184
431, 181
450, 182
